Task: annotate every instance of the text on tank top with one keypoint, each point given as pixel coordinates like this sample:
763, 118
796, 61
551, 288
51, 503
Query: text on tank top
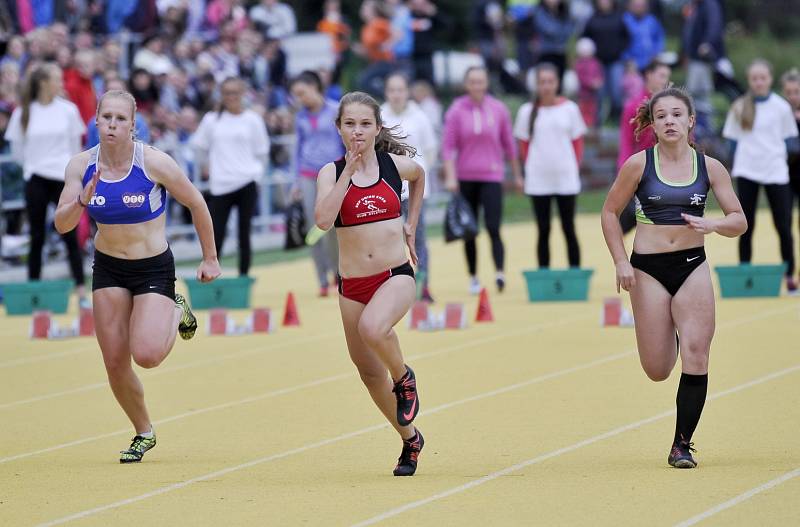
377, 202
661, 202
133, 199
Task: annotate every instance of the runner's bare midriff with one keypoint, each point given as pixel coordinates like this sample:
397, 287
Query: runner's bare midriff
132, 241
368, 249
651, 239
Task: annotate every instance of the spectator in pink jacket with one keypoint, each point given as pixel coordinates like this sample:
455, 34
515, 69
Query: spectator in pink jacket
656, 78
477, 142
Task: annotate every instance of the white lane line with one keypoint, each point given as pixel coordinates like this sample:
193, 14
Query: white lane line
336, 439
554, 453
281, 391
85, 388
740, 498
266, 348
42, 358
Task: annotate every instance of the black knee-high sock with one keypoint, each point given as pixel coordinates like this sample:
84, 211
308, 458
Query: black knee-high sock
690, 400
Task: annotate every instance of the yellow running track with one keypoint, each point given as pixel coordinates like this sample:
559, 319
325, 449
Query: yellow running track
540, 418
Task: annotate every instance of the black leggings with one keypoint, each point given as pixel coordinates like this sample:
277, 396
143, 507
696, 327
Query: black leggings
566, 210
780, 203
39, 193
220, 207
488, 195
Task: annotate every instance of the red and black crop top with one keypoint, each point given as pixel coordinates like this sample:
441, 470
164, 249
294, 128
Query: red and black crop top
377, 202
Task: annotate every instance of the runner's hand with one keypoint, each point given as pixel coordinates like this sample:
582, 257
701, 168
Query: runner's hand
625, 277
354, 159
208, 270
88, 190
701, 225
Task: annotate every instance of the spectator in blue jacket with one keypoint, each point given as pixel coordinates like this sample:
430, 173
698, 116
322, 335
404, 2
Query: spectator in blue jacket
703, 46
647, 34
318, 143
553, 30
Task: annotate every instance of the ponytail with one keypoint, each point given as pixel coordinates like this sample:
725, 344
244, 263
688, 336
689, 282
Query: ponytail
544, 66
744, 107
390, 140
30, 90
643, 119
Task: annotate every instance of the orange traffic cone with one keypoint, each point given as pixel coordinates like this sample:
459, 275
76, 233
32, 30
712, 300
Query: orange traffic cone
484, 309
290, 316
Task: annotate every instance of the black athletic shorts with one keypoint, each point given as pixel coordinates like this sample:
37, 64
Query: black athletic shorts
670, 269
155, 274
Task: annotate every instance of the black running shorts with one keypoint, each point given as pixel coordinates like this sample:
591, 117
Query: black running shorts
155, 274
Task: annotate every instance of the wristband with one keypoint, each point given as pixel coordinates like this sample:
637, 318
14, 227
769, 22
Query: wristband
78, 199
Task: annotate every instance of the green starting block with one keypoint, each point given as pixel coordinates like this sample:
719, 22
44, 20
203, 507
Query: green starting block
23, 298
557, 285
233, 293
747, 280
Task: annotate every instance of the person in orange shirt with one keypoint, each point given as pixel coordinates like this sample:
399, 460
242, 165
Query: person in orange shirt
333, 24
375, 46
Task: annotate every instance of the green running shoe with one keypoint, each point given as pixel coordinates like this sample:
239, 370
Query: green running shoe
139, 445
188, 324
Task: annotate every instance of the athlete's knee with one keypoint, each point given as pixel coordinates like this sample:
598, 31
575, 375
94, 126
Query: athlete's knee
372, 332
694, 355
657, 374
147, 355
658, 371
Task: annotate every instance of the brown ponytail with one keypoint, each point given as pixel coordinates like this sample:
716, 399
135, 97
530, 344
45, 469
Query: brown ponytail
30, 90
745, 106
544, 66
388, 139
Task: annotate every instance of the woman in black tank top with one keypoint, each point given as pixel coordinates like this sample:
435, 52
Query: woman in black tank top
667, 276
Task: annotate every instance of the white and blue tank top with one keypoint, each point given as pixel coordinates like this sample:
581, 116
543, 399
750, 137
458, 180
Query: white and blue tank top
661, 202
133, 199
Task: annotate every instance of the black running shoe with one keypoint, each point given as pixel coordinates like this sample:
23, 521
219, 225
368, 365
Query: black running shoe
405, 390
407, 462
501, 284
139, 445
188, 323
680, 456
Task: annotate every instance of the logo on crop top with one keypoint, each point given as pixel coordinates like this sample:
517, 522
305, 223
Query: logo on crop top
133, 200
371, 203
97, 201
697, 199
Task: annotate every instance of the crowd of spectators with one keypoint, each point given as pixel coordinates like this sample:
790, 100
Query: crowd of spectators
173, 56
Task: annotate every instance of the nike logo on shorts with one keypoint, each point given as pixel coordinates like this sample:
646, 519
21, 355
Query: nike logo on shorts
153, 287
692, 259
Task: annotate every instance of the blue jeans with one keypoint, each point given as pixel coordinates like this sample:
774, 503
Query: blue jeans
610, 103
